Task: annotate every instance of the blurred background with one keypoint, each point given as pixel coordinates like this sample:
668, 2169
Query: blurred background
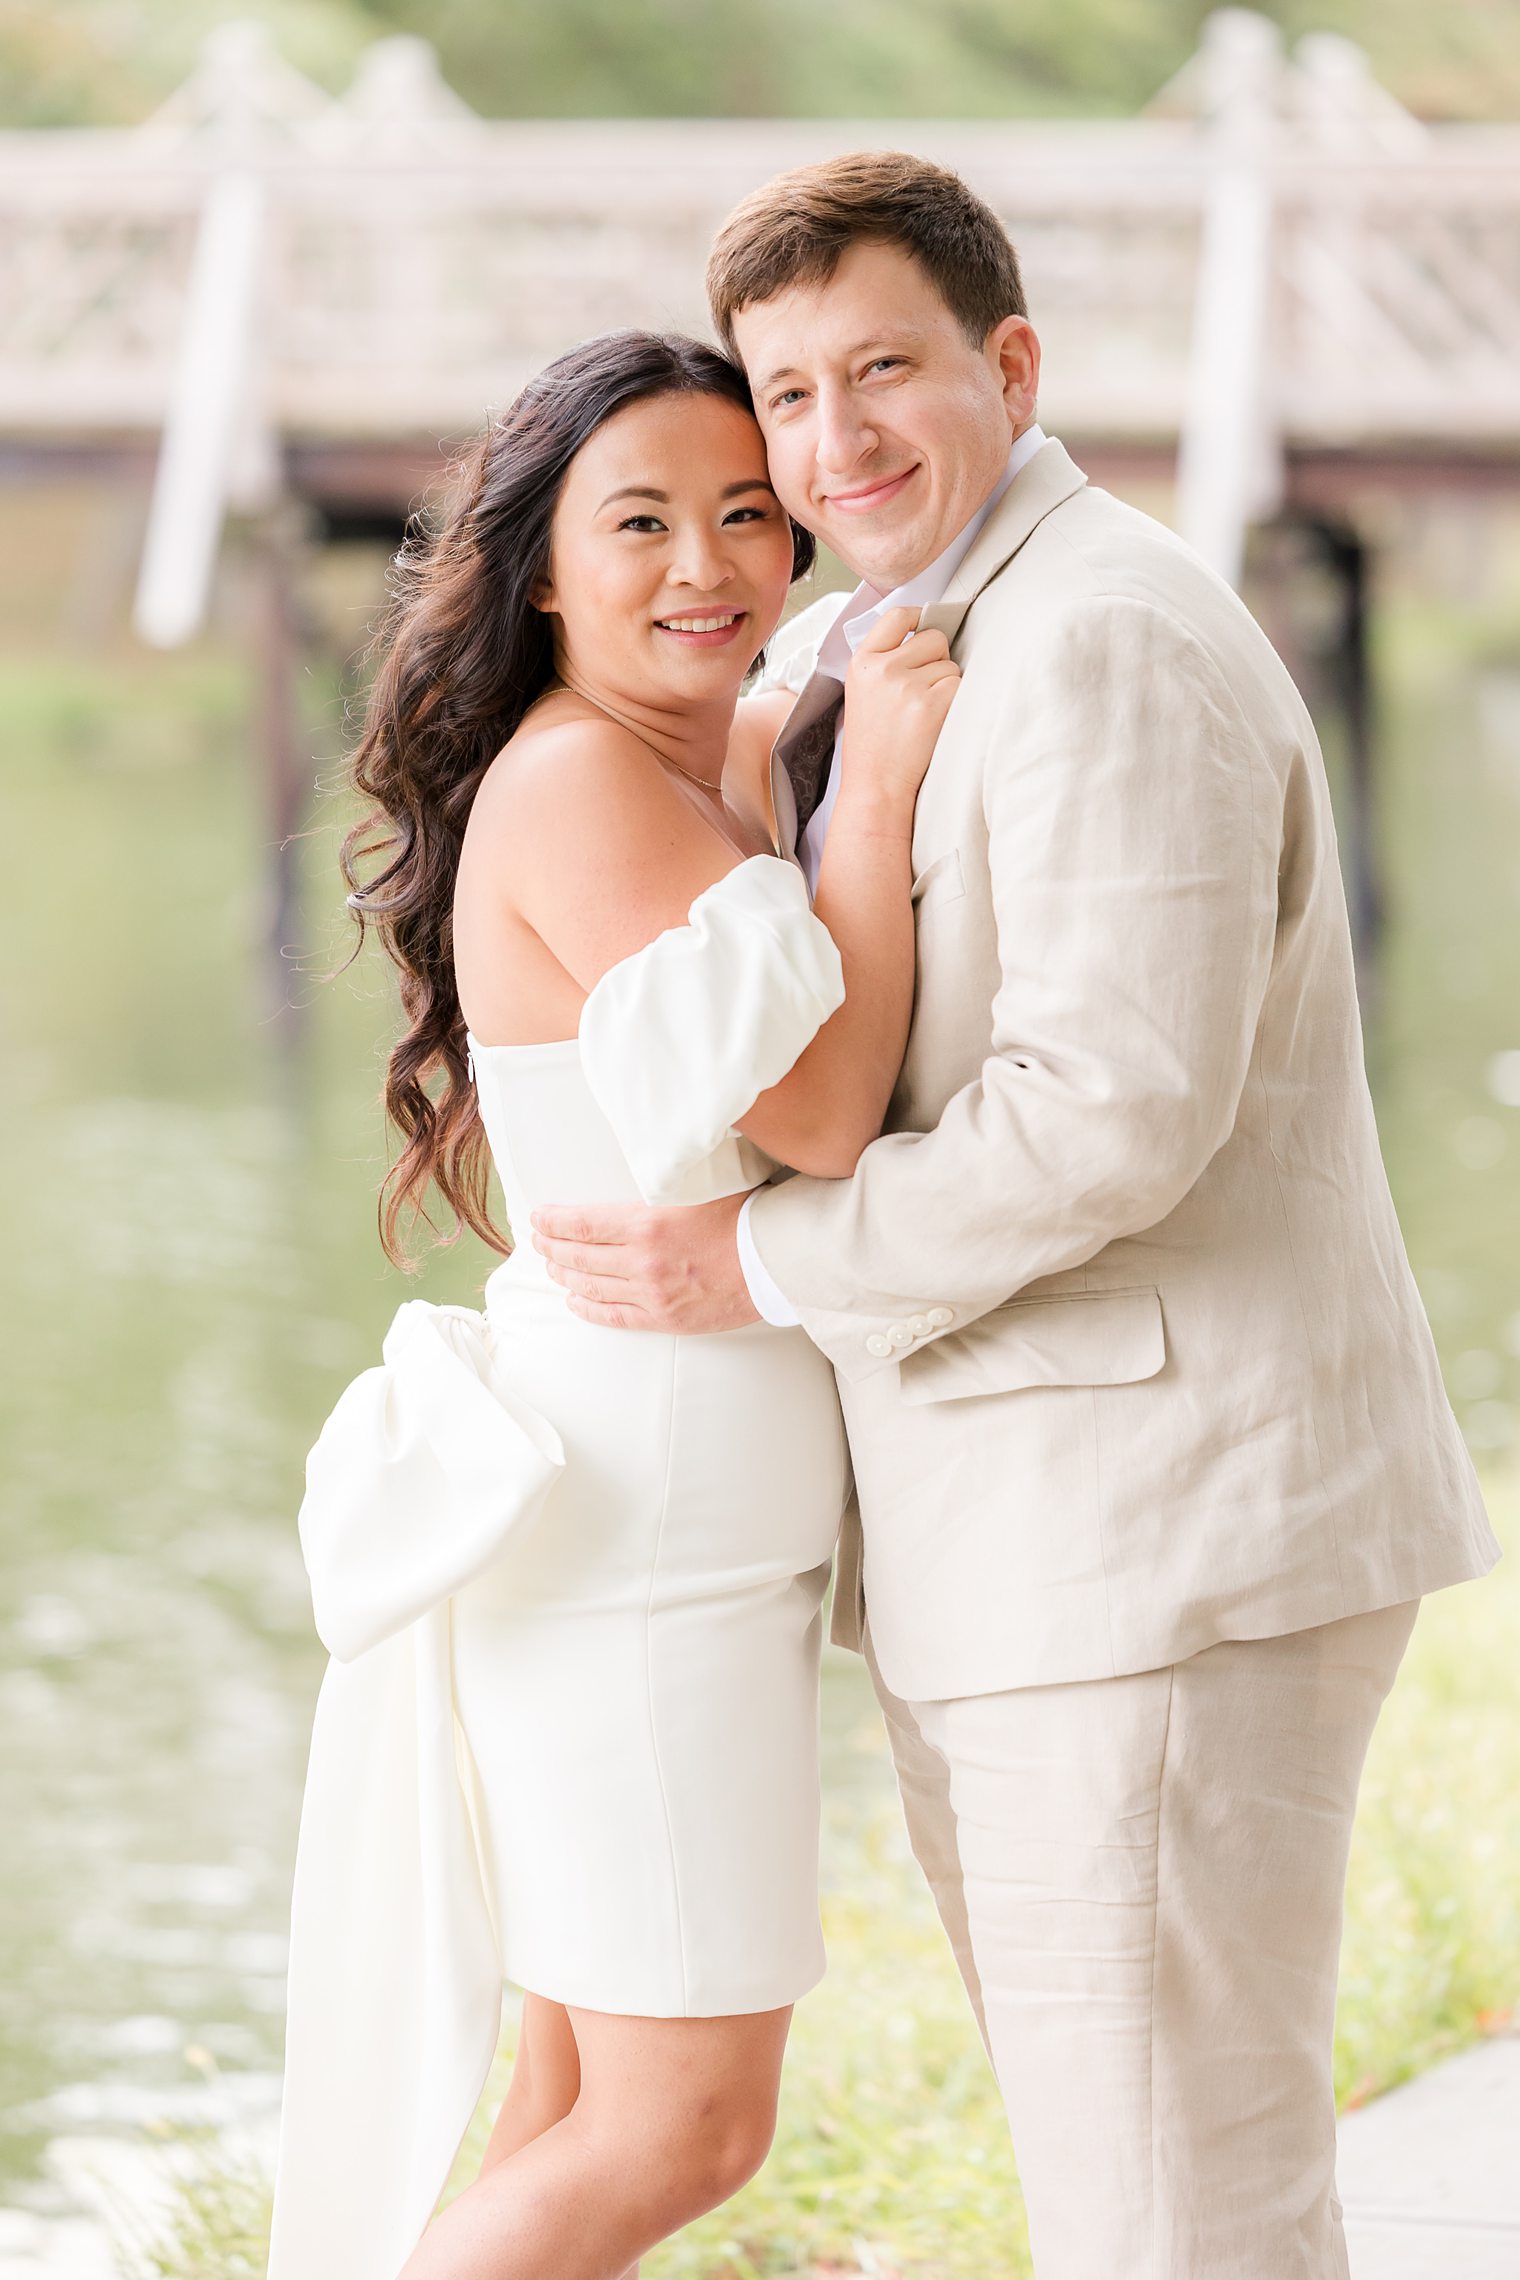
257, 275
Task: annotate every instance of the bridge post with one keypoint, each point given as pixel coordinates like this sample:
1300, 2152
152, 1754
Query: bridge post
216, 450
275, 544
1310, 583
197, 455
1229, 459
1348, 556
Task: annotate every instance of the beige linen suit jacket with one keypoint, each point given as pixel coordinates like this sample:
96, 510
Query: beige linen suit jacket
1131, 1356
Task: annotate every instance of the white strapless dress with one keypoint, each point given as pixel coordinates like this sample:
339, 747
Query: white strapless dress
571, 1581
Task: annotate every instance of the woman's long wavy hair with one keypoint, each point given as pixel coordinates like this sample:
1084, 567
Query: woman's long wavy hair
462, 654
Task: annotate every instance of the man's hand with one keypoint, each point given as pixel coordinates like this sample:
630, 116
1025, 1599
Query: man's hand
631, 1266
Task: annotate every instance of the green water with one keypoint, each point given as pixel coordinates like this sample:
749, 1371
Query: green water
192, 1274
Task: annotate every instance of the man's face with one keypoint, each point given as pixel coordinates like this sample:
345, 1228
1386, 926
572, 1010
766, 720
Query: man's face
884, 426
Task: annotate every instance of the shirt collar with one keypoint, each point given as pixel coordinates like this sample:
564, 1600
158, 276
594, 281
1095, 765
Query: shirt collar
859, 611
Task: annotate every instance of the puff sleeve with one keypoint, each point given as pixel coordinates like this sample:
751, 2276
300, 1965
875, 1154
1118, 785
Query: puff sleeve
680, 1039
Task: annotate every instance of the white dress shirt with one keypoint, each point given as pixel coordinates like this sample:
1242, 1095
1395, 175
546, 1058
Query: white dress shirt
858, 613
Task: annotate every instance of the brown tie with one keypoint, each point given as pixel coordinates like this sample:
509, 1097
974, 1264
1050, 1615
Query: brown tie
807, 760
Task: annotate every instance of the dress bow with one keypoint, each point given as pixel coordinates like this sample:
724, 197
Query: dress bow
426, 1466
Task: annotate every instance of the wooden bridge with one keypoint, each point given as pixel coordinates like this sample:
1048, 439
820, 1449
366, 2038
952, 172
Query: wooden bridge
1275, 282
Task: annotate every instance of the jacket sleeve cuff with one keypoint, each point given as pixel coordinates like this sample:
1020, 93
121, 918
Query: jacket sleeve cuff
859, 1338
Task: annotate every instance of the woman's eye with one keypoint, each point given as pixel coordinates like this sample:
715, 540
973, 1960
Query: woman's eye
641, 522
748, 514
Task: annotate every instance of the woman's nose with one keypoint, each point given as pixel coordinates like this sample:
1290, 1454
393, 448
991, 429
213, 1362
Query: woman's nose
701, 559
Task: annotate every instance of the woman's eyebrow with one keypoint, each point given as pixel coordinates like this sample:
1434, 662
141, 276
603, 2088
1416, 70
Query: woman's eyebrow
662, 498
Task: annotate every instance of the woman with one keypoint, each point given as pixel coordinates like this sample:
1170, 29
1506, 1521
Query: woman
588, 1564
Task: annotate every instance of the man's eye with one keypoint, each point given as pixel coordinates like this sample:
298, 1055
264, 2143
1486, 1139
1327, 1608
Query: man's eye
786, 397
883, 363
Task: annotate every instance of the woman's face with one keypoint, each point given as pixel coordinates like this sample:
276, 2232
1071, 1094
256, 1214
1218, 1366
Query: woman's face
670, 554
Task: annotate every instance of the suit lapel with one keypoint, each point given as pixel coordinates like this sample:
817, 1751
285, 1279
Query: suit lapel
1050, 478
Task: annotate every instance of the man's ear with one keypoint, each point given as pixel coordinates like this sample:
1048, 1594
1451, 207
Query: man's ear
1013, 348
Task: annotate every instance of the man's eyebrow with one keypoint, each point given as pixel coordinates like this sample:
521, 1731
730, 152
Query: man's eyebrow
909, 337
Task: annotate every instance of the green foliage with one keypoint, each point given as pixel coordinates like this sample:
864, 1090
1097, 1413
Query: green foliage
110, 62
1460, 61
99, 61
792, 58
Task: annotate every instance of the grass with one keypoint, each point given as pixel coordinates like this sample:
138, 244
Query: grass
218, 2228
892, 2158
1431, 1956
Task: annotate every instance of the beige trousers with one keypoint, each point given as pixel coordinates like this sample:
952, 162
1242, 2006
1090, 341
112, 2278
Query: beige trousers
1142, 1879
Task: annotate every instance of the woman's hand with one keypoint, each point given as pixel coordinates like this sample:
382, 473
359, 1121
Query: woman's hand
896, 694
831, 1104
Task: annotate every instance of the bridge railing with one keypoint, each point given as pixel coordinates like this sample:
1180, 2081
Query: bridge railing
1275, 258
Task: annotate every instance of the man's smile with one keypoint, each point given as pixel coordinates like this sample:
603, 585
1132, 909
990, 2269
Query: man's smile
867, 497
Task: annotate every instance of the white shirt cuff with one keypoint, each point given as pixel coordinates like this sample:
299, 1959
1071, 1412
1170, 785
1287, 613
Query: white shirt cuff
772, 1305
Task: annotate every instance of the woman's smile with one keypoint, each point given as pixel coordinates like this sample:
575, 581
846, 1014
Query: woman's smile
712, 629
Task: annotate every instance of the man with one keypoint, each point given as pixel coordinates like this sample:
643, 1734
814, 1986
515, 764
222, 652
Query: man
1152, 1454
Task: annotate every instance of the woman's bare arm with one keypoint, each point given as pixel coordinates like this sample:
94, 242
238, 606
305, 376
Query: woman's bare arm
828, 1109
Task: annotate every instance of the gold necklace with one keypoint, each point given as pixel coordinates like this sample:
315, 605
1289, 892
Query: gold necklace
692, 777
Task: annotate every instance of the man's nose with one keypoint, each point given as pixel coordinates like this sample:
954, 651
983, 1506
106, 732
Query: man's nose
844, 436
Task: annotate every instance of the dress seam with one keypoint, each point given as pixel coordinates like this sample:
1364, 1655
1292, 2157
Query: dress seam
654, 1737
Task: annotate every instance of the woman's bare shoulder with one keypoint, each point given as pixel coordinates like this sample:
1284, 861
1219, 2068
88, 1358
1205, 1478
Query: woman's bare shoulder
581, 833
554, 755
571, 781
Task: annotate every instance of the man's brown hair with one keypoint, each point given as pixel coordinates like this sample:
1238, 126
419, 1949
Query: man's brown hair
796, 229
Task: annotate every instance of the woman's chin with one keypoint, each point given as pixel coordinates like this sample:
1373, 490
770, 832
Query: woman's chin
699, 670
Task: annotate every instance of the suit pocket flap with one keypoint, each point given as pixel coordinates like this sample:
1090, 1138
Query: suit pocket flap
1097, 1337
940, 880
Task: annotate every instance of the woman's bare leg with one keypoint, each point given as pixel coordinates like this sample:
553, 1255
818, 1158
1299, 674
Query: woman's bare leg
672, 2116
546, 2080
544, 2084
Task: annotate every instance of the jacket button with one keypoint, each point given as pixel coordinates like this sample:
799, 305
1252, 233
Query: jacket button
920, 1325
940, 1317
878, 1345
900, 1334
